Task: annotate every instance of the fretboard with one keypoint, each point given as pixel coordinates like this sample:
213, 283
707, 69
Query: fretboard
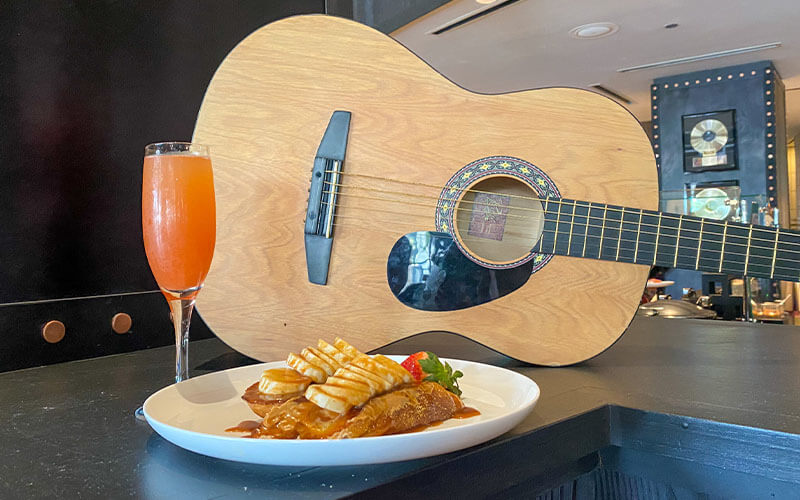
610, 232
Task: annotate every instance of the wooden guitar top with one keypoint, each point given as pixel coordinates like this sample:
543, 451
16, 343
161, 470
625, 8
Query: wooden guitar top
263, 116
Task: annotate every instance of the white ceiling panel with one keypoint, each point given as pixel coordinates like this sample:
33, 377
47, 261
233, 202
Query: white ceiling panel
527, 44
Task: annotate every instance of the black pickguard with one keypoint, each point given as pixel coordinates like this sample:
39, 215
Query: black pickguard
427, 271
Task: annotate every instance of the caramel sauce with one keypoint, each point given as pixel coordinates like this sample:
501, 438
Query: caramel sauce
249, 426
287, 375
466, 412
421, 428
304, 420
252, 395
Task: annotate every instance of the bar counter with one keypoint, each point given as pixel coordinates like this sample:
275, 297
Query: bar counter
705, 407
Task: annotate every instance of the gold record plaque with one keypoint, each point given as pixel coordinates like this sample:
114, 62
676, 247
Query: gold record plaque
709, 141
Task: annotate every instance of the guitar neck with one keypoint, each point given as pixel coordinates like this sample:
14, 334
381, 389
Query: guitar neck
609, 232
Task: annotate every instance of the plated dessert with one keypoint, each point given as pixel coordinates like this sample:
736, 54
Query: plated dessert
334, 391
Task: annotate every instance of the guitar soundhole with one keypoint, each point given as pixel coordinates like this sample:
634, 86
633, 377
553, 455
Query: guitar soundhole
498, 220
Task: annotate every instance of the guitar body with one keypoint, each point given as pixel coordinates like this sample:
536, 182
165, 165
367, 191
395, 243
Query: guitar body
263, 116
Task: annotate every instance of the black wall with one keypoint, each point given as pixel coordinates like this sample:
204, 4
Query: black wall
84, 86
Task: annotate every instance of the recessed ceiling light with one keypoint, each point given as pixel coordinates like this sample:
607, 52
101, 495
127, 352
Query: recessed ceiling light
594, 30
485, 1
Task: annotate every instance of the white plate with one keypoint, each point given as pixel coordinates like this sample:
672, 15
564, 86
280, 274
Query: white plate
194, 414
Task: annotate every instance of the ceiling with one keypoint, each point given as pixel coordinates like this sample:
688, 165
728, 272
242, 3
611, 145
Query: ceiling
527, 44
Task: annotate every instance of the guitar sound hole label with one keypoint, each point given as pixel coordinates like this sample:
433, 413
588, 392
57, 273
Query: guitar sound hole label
492, 209
489, 216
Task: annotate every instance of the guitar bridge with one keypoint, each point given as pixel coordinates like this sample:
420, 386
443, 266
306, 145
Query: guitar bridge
322, 196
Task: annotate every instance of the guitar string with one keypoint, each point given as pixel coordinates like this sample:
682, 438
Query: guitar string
558, 201
703, 261
665, 215
559, 214
622, 229
440, 188
749, 257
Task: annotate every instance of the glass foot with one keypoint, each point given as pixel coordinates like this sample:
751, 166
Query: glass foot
139, 414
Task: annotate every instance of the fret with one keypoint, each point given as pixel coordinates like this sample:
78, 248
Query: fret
647, 237
602, 232
565, 222
734, 253
571, 227
668, 242
685, 248
594, 231
722, 253
677, 245
774, 253
638, 233
759, 259
629, 235
747, 252
613, 228
788, 256
545, 213
580, 220
548, 231
658, 234
586, 229
711, 247
607, 232
555, 235
619, 232
699, 244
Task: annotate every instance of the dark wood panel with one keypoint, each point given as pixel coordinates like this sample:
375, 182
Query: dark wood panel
88, 329
84, 86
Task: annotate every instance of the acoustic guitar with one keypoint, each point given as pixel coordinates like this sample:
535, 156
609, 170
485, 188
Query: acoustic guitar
361, 194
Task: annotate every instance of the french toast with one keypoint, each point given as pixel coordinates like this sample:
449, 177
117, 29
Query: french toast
336, 392
391, 413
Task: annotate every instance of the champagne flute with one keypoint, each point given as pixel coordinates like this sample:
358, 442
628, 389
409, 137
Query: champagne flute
179, 230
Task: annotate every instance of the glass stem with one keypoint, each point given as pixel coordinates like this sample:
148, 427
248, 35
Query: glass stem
181, 316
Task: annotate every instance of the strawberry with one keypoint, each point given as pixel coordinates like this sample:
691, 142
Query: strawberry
412, 365
425, 365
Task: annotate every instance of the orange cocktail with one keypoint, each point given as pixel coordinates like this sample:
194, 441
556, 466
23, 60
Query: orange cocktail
179, 230
178, 219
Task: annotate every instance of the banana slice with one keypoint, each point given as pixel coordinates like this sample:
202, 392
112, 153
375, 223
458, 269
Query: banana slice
347, 348
306, 368
317, 395
351, 383
367, 364
282, 382
356, 382
319, 360
341, 357
357, 374
394, 367
344, 376
353, 397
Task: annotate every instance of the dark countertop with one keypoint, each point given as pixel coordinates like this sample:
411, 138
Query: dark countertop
70, 428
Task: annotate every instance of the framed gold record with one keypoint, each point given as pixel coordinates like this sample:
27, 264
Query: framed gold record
709, 141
